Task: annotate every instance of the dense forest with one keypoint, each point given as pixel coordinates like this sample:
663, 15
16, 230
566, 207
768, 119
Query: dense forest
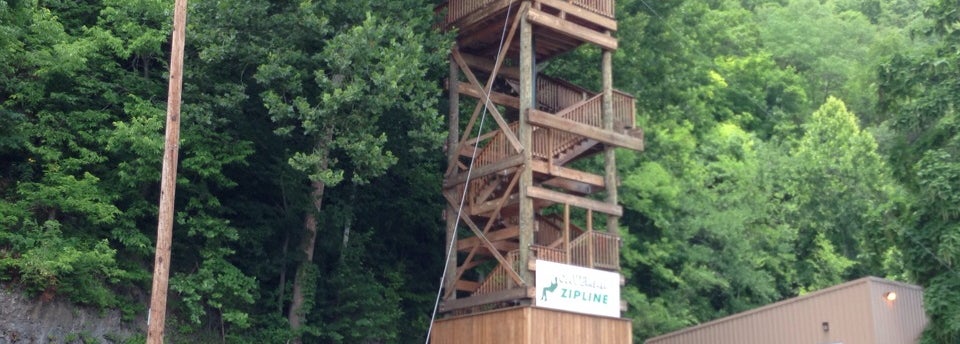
791, 145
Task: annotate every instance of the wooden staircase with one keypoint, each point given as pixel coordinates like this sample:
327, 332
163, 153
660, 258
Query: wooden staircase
554, 147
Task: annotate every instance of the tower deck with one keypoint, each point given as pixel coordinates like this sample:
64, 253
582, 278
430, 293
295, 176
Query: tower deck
561, 26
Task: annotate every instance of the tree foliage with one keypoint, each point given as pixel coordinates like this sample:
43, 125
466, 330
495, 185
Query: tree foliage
920, 95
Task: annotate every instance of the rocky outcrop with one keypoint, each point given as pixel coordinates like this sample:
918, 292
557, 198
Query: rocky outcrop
26, 320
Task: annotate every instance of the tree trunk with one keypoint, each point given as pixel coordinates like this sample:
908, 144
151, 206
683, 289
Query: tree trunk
296, 316
282, 286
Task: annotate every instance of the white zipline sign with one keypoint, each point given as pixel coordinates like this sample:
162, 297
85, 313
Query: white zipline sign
578, 289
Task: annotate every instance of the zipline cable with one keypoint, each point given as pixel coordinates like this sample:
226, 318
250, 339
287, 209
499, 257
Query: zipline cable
466, 186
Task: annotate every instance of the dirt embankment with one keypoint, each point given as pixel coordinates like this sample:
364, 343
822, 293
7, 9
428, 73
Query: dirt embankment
26, 320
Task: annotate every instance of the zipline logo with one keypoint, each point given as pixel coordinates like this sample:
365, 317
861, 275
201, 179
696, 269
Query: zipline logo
550, 289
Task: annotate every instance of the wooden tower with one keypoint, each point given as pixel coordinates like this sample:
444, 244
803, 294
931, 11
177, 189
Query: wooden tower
511, 162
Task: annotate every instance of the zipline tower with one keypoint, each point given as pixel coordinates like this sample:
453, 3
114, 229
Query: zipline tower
520, 270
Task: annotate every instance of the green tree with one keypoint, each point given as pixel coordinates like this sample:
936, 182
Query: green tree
833, 44
52, 181
368, 67
81, 89
838, 187
919, 93
702, 243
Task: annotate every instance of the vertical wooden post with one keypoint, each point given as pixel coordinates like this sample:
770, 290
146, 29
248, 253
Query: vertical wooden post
590, 238
453, 154
527, 77
168, 180
609, 154
566, 232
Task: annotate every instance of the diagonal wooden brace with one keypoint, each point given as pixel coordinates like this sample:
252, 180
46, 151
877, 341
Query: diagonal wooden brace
460, 270
484, 100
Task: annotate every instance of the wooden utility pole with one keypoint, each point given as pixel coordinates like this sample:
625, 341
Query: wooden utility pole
168, 180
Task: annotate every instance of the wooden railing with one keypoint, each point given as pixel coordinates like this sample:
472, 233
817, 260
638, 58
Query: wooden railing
459, 9
604, 7
549, 143
624, 111
555, 94
596, 250
499, 278
549, 254
592, 249
546, 233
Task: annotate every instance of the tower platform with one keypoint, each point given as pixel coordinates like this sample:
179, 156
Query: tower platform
531, 325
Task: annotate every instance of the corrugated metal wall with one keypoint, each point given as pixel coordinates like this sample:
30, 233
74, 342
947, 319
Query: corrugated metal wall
899, 321
855, 313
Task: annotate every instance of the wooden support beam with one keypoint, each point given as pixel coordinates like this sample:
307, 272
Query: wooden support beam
572, 186
468, 151
547, 120
487, 65
482, 171
566, 233
495, 97
580, 12
567, 173
590, 236
576, 201
528, 79
483, 35
469, 286
453, 139
574, 30
494, 236
506, 246
484, 194
609, 154
481, 209
497, 296
473, 263
500, 246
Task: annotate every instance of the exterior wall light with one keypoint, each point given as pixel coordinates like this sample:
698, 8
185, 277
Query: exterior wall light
890, 296
826, 326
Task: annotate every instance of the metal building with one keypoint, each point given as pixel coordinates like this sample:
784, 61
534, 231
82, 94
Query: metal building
869, 310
